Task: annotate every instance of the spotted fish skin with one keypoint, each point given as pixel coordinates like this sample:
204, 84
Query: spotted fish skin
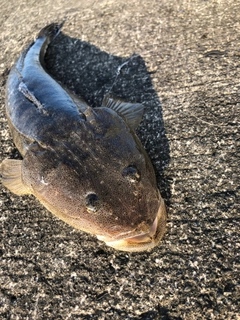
85, 165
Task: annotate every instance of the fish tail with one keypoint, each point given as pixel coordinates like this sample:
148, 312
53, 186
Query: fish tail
50, 31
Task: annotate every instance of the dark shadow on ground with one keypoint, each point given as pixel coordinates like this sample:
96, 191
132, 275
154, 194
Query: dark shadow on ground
92, 73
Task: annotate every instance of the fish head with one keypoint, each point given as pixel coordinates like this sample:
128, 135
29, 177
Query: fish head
100, 180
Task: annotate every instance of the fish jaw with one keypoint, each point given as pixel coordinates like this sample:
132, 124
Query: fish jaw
142, 242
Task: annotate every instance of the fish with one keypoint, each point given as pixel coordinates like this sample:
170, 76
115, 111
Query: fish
85, 165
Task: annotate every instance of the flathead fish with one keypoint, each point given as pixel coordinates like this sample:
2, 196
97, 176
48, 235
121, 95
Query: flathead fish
85, 165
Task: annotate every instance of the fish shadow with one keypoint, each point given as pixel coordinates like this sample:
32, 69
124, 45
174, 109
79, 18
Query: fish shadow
91, 74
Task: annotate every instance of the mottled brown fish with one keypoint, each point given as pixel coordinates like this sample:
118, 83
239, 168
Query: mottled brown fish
85, 165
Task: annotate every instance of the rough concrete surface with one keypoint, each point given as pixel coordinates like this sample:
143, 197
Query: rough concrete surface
186, 72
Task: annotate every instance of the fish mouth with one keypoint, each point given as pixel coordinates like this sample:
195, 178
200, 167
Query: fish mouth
144, 241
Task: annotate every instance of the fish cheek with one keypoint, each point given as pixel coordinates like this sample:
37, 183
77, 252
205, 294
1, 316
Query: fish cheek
56, 186
35, 164
40, 173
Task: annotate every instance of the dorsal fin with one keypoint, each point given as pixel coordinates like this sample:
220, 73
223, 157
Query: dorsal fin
131, 112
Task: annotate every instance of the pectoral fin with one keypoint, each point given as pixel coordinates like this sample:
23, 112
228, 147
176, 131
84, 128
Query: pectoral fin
11, 172
131, 112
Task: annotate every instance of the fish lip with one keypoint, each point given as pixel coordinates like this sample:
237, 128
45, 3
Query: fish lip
142, 242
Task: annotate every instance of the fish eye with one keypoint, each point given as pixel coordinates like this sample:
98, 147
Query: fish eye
131, 173
92, 202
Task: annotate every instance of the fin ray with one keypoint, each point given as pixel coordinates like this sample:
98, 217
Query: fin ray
11, 171
51, 30
131, 112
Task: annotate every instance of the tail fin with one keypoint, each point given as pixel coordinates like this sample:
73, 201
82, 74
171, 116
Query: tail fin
50, 31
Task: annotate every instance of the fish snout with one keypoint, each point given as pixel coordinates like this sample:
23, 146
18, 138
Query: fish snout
146, 239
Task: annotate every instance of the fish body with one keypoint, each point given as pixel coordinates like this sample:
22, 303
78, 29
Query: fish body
85, 165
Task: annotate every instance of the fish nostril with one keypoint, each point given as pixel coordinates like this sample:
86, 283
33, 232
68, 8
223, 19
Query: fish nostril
92, 202
131, 173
